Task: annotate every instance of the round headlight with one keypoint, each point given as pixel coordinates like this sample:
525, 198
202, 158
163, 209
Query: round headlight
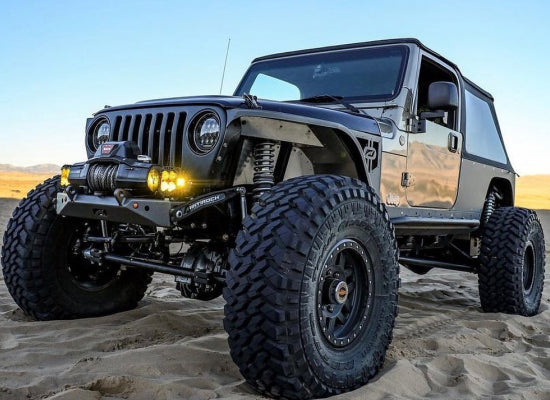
205, 132
101, 133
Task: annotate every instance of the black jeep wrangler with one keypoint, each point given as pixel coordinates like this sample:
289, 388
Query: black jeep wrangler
297, 198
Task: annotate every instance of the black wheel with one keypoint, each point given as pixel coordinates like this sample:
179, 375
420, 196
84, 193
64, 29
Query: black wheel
511, 270
45, 271
312, 288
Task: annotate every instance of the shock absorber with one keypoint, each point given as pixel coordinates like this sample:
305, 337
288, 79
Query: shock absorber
491, 203
264, 166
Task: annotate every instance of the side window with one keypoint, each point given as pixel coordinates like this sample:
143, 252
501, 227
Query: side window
482, 138
268, 87
431, 72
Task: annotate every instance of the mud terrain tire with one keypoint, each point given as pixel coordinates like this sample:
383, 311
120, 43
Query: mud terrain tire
35, 264
312, 288
511, 270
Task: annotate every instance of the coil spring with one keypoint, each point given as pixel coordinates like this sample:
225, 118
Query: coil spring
489, 208
101, 177
264, 166
491, 203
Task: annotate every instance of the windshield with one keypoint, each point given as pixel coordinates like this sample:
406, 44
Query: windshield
367, 74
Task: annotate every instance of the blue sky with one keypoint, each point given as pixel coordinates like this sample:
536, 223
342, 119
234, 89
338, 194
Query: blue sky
60, 61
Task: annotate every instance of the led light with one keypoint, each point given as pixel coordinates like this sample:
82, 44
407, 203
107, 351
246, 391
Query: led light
204, 132
173, 182
65, 171
153, 179
101, 132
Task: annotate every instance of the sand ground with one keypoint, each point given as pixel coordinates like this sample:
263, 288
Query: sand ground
175, 348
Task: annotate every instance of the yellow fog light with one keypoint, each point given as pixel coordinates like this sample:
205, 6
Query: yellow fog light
65, 171
173, 182
153, 179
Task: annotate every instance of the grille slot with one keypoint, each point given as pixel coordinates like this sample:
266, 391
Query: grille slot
176, 145
160, 135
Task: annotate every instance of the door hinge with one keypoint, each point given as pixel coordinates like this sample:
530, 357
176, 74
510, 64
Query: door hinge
406, 179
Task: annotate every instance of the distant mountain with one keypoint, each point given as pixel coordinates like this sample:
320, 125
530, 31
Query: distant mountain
43, 169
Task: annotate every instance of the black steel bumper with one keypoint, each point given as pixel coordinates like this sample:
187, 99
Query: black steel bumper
135, 211
145, 211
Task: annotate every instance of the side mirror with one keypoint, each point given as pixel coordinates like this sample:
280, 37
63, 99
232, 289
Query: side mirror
442, 96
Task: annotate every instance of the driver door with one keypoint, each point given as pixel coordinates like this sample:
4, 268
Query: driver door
433, 164
434, 153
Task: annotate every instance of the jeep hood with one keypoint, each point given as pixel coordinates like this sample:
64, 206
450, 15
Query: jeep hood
360, 122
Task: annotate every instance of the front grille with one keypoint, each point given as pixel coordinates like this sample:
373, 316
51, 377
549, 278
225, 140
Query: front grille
160, 135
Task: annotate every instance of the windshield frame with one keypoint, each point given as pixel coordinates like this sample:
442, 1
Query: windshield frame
355, 99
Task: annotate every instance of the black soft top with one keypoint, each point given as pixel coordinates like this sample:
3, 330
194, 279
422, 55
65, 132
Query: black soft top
376, 43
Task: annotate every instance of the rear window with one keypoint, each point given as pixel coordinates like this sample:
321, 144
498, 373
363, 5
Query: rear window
482, 137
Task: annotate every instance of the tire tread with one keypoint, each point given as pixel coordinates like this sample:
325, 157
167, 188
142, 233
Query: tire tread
500, 267
263, 285
22, 255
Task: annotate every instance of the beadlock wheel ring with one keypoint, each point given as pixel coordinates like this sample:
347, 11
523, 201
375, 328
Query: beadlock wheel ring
345, 292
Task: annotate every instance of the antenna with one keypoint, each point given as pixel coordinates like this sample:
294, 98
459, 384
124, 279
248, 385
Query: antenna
225, 64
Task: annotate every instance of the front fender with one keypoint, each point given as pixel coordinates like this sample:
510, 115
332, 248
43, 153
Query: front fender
331, 146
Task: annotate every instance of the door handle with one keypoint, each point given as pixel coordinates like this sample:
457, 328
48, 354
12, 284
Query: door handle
453, 142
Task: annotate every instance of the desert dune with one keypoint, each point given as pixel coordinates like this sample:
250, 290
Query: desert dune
170, 347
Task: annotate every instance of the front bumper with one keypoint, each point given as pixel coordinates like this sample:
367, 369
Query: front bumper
145, 211
133, 211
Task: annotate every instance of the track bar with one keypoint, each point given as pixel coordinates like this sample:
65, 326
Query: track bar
151, 266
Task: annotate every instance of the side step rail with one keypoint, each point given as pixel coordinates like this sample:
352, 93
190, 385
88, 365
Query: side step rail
433, 226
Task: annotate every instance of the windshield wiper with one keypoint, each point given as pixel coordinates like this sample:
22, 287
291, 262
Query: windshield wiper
324, 98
